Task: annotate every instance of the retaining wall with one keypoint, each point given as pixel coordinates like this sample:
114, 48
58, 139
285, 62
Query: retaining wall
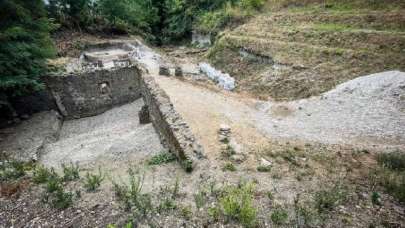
92, 93
173, 130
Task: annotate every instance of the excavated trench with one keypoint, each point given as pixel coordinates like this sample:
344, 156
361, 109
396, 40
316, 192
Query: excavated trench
109, 112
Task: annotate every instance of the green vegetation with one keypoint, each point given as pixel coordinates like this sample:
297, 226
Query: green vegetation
264, 168
237, 203
229, 166
200, 198
328, 199
24, 46
10, 170
93, 181
70, 172
279, 216
162, 158
391, 173
132, 197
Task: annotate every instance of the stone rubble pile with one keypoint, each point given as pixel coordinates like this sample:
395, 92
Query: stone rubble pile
223, 80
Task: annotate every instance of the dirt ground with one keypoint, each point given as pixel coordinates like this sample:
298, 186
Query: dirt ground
299, 168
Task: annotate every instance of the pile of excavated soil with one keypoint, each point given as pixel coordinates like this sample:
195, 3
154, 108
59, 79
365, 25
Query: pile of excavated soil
369, 109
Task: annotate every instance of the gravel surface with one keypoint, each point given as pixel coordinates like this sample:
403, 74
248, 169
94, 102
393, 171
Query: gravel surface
369, 109
110, 138
24, 141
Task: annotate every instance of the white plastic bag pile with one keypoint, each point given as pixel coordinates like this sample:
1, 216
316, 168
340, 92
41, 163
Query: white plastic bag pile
223, 80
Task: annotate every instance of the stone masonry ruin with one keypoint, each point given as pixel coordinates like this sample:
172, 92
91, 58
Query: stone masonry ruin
109, 74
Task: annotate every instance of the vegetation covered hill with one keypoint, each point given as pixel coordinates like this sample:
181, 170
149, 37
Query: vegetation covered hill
297, 49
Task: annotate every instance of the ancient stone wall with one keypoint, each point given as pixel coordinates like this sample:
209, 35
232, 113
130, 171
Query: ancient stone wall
91, 93
173, 130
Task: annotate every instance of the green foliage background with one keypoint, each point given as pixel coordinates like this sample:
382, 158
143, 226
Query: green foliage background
24, 45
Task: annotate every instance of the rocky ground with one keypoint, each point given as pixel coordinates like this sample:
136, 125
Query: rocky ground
302, 172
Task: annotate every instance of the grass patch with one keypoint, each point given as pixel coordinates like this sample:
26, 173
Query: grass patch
391, 173
394, 161
162, 158
329, 27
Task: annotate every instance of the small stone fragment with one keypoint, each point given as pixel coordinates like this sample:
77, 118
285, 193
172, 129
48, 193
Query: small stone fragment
143, 114
164, 70
178, 72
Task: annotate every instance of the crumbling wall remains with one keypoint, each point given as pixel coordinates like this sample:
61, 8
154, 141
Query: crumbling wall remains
92, 93
173, 130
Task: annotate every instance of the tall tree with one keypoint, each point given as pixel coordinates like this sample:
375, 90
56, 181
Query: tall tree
25, 45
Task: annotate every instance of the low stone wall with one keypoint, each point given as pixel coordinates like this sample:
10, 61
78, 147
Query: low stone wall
173, 130
92, 93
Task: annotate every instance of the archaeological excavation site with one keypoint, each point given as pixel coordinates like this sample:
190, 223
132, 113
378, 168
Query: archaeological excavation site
259, 114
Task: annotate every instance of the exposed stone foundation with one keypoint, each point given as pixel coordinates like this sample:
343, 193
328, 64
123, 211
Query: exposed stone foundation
173, 130
92, 93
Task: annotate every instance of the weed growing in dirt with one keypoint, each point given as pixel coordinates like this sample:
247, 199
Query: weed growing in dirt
200, 199
10, 170
131, 195
394, 160
391, 173
237, 203
70, 172
161, 158
167, 204
228, 151
62, 199
326, 200
42, 174
93, 181
55, 194
229, 167
270, 195
214, 213
279, 216
186, 212
264, 168
376, 198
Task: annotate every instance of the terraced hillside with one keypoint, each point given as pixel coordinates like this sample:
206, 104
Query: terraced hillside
300, 52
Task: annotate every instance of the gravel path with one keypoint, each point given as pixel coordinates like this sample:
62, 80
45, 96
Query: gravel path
367, 111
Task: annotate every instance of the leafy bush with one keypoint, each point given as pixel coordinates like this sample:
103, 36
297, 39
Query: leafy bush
237, 203
24, 46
